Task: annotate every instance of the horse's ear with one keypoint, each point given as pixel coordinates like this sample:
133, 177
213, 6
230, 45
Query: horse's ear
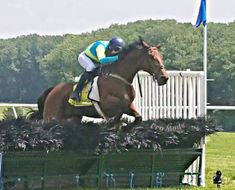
139, 44
143, 43
140, 39
158, 46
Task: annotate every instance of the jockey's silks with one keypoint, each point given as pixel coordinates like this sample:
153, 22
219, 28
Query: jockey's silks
96, 51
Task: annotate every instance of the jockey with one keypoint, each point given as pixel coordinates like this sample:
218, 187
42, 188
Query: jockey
99, 52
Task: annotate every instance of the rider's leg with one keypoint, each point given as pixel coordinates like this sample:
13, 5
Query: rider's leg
76, 93
88, 65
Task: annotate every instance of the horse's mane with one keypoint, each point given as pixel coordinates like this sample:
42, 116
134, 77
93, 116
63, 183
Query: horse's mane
136, 45
127, 49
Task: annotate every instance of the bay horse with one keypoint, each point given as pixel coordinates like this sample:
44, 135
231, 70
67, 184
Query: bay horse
115, 87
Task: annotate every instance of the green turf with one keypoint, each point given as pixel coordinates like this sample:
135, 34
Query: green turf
220, 155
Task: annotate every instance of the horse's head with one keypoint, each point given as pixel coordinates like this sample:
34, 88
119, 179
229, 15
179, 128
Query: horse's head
153, 61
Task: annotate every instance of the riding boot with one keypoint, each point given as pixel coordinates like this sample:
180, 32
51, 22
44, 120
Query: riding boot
76, 93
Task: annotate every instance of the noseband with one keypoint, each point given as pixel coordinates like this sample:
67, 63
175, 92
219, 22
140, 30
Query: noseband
153, 52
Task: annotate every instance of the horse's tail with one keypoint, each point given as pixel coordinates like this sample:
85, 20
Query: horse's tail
38, 114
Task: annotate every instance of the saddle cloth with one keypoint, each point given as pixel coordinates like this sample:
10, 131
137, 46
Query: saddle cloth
89, 93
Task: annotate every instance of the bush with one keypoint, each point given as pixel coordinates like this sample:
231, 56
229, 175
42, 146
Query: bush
20, 134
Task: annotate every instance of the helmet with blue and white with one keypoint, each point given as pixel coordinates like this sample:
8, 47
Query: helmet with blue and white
116, 44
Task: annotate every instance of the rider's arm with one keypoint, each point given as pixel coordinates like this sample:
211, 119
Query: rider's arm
100, 50
109, 59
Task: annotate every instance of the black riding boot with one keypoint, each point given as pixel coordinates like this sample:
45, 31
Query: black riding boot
76, 93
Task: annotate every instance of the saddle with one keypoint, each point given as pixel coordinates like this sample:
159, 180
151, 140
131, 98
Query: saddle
84, 97
89, 93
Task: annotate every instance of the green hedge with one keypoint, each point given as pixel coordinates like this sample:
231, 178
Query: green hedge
24, 135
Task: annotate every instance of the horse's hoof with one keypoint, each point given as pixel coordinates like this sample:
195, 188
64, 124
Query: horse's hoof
123, 124
126, 128
138, 120
118, 126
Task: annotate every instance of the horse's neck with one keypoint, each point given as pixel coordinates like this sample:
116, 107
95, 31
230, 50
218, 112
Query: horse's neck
127, 68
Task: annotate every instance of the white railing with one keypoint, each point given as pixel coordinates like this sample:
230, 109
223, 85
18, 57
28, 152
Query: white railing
223, 108
181, 97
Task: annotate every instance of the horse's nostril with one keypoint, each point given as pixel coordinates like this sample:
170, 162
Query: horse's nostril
164, 78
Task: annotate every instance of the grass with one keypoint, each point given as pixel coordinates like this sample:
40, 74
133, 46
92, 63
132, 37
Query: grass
220, 155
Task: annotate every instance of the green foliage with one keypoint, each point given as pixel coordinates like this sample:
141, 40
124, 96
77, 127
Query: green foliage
61, 64
221, 64
20, 134
225, 119
7, 113
20, 79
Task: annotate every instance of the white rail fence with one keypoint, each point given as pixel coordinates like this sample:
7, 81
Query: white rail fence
182, 97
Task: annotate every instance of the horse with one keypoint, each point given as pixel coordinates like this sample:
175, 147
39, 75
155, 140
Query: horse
115, 87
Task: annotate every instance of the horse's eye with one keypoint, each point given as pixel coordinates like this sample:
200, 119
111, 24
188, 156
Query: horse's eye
150, 52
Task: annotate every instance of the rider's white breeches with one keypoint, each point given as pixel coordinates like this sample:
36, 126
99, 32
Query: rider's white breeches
86, 62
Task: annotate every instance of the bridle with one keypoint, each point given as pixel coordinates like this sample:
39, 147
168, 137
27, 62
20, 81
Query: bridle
153, 52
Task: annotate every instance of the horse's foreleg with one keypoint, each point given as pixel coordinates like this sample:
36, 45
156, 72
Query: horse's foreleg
135, 113
100, 111
116, 119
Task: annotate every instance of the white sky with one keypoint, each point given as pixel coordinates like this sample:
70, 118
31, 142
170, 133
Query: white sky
52, 17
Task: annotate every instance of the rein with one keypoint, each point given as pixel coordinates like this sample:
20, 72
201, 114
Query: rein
120, 78
153, 52
126, 82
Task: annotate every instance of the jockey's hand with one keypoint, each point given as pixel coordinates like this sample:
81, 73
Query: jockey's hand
97, 71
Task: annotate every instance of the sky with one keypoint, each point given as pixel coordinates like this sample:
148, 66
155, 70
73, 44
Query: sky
58, 17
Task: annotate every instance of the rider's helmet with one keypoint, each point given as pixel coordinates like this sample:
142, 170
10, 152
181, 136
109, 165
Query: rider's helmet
116, 44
